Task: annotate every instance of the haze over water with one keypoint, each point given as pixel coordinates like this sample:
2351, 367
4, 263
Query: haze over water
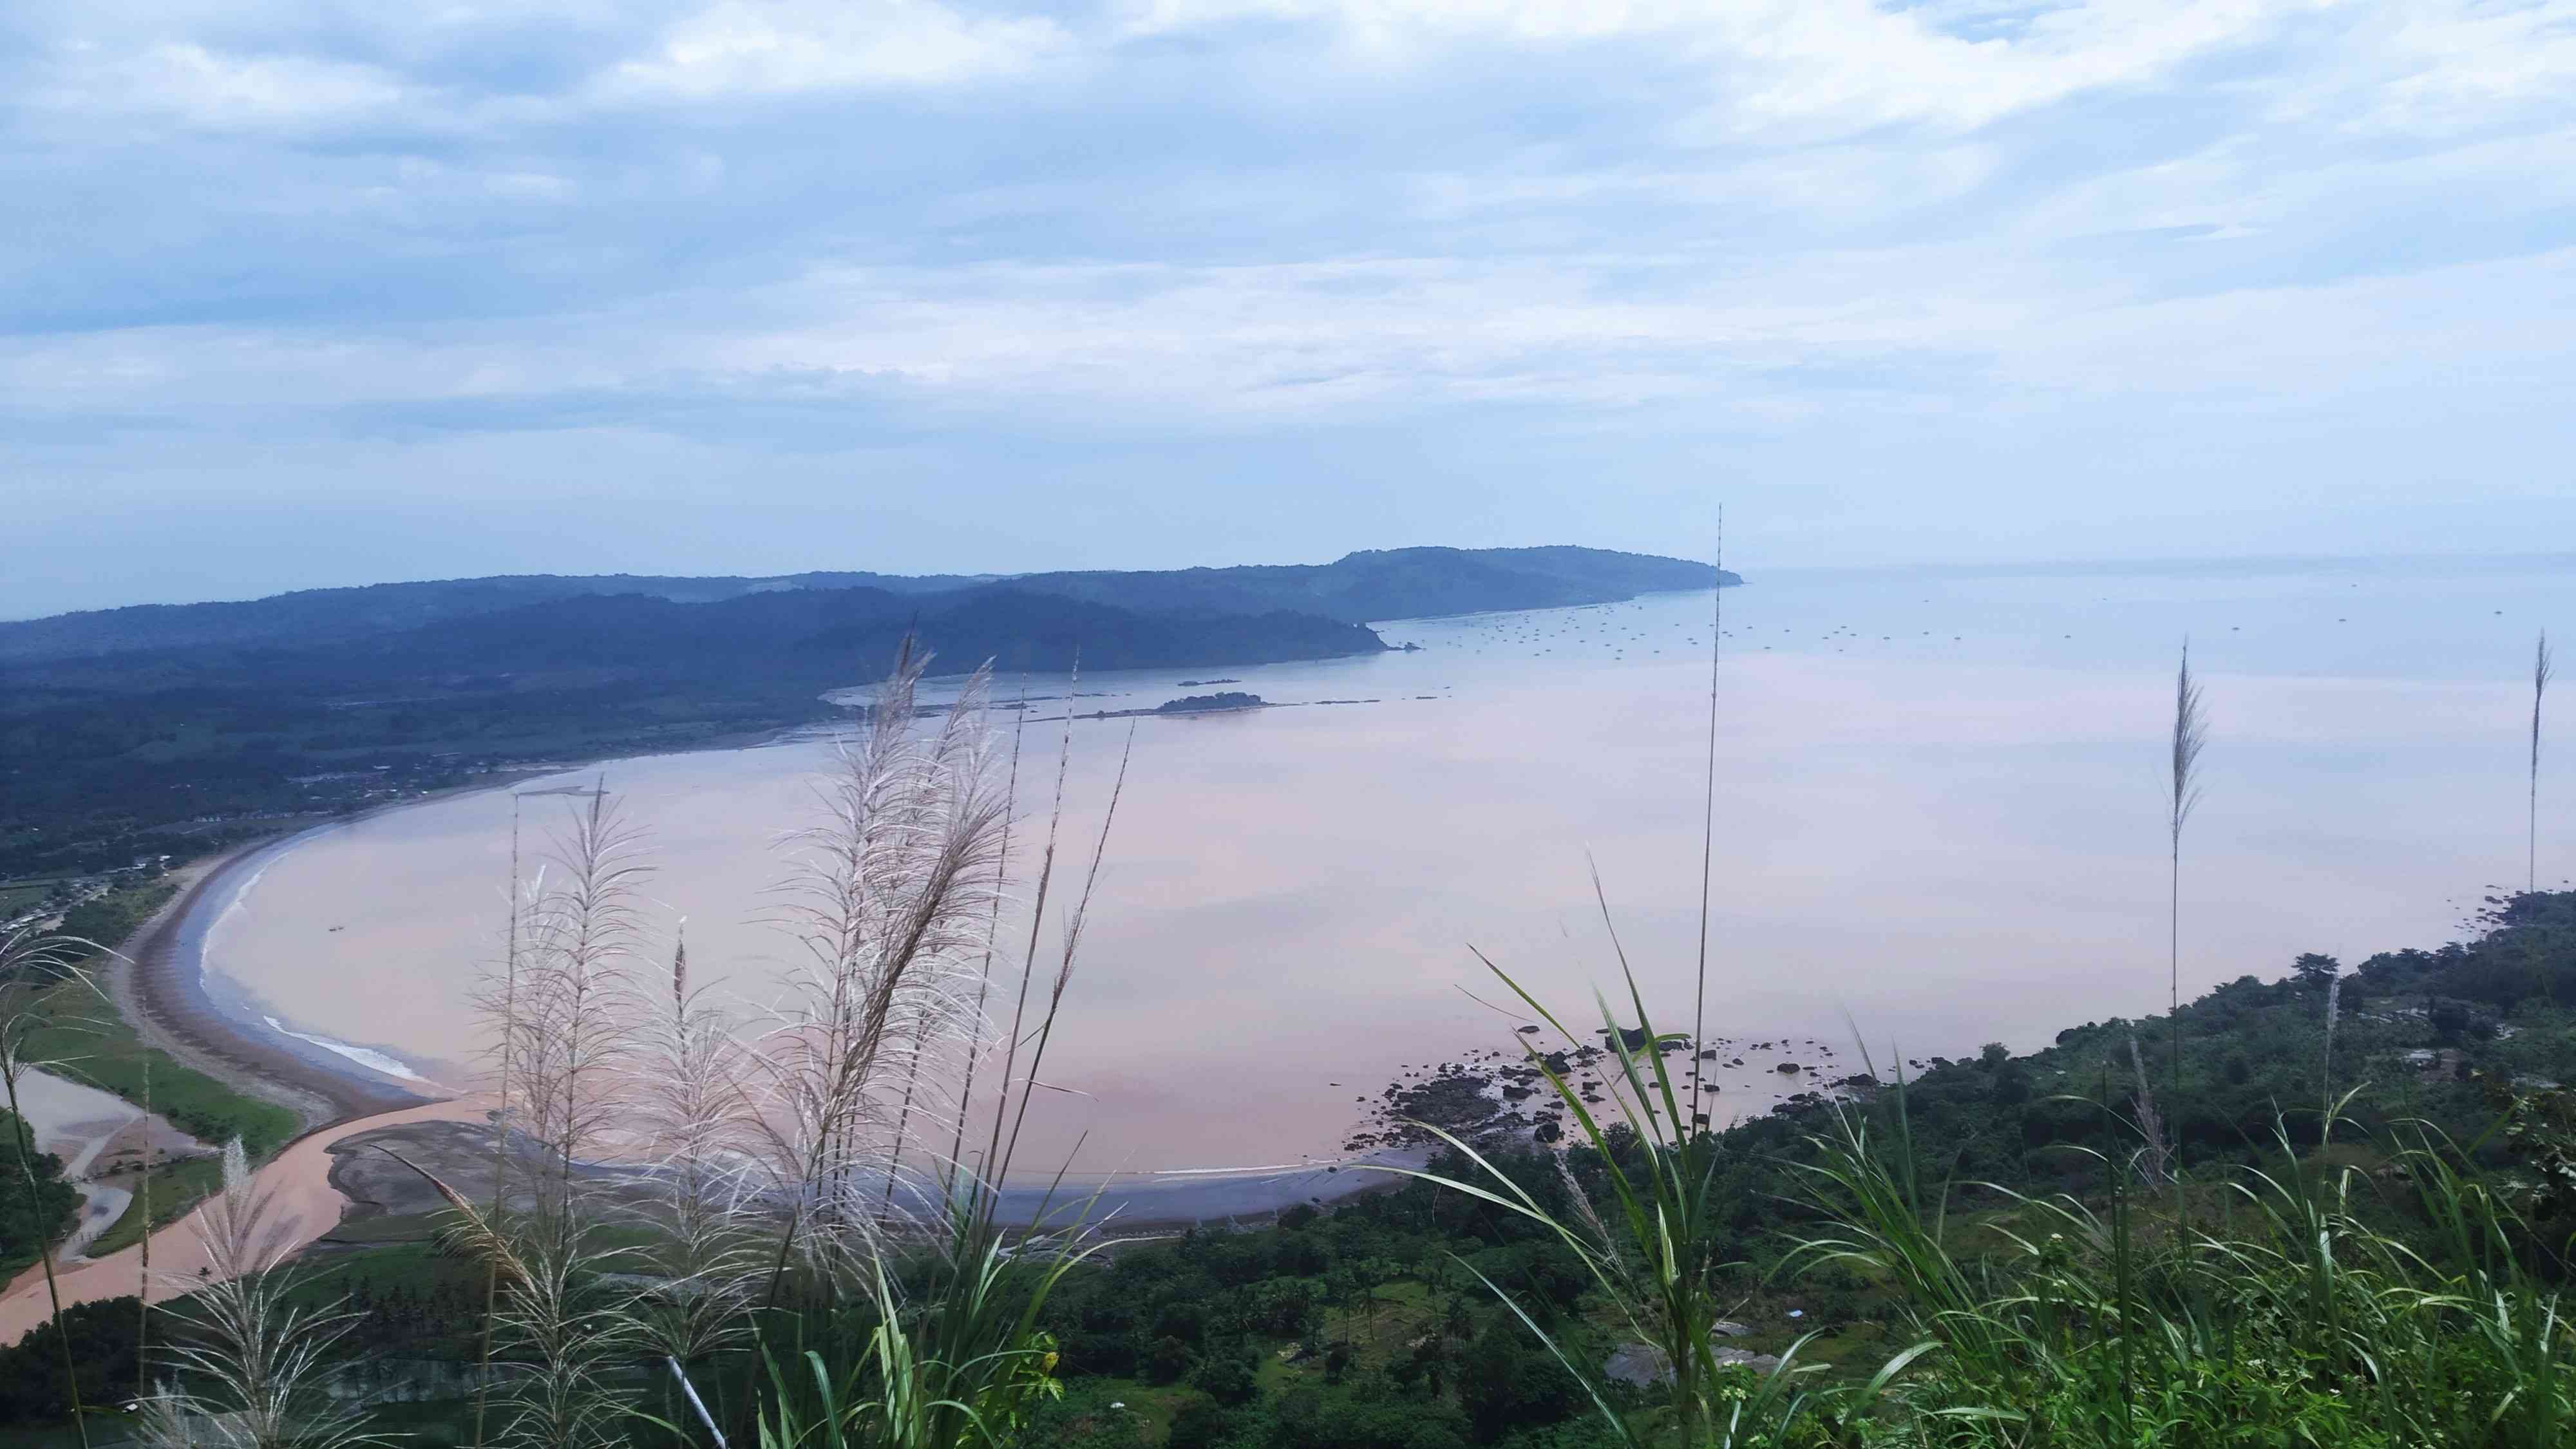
1940, 810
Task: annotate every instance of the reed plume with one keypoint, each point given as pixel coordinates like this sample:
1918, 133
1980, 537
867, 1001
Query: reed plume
571, 1018
250, 1359
568, 1023
2190, 735
886, 901
696, 1122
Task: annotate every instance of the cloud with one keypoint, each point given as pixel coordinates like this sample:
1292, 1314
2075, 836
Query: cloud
1475, 247
194, 85
785, 46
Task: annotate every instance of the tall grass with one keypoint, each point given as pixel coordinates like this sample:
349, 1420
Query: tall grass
2300, 1317
1650, 1246
814, 1270
2190, 736
30, 963
2309, 1320
250, 1357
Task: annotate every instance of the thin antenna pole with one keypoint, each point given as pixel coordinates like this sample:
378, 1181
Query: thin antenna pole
501, 1118
1708, 823
992, 930
992, 1170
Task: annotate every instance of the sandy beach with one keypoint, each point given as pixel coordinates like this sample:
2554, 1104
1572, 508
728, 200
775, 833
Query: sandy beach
159, 989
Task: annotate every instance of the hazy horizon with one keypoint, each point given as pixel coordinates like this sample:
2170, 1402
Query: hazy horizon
2216, 564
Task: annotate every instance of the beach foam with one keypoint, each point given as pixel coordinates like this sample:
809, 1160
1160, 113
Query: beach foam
374, 1061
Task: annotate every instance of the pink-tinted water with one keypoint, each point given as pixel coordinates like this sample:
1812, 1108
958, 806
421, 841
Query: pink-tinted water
1939, 811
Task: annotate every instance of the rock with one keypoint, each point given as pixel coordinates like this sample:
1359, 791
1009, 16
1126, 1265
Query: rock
1644, 1365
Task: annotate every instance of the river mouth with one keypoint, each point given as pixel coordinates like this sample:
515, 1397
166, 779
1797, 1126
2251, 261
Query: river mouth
1937, 826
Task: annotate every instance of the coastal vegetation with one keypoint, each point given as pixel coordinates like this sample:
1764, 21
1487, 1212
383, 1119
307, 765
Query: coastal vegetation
1383, 1320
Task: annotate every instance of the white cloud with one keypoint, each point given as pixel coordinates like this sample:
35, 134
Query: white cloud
1802, 64
1818, 224
772, 46
201, 86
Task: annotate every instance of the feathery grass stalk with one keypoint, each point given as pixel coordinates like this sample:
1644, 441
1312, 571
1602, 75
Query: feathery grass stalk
253, 1359
569, 1014
695, 1113
2539, 691
2152, 1165
29, 963
2190, 735
887, 902
573, 998
959, 1359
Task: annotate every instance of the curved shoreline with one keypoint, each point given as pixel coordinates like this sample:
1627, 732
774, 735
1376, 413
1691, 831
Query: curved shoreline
163, 993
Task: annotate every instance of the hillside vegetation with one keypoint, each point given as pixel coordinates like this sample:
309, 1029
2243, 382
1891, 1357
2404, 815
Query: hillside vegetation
2388, 1284
119, 725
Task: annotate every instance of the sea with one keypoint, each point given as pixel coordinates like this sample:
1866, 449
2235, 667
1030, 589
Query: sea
1933, 806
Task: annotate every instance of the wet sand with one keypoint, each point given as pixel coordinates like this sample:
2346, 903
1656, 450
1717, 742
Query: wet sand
161, 989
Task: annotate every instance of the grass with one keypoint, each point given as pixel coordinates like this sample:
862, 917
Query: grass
101, 1048
176, 1187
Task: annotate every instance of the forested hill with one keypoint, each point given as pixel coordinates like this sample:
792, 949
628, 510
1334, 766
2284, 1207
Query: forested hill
109, 757
134, 731
1388, 584
321, 616
805, 639
1403, 583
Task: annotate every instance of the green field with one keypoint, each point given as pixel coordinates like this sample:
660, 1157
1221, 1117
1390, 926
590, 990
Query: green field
89, 1041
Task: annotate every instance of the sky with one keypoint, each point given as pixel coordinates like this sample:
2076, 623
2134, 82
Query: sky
316, 292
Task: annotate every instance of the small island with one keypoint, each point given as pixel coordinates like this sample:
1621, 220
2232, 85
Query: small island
1203, 703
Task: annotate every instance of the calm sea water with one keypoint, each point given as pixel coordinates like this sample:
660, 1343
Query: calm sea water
1940, 823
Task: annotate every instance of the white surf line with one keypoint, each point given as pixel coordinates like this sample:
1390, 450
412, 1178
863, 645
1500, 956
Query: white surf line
374, 1061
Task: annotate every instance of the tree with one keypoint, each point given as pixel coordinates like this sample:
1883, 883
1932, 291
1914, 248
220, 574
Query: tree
2314, 972
1200, 1424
